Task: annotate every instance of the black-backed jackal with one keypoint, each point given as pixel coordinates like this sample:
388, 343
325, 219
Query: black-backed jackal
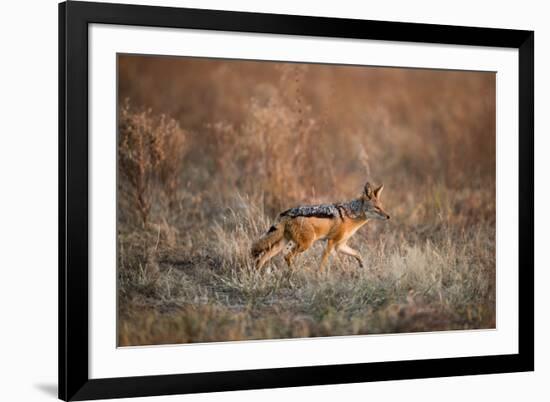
304, 225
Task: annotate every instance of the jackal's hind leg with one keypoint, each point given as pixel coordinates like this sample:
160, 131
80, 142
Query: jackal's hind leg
296, 249
302, 235
269, 254
326, 254
299, 246
347, 250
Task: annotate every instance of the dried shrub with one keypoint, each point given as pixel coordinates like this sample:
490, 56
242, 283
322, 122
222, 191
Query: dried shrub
150, 154
268, 154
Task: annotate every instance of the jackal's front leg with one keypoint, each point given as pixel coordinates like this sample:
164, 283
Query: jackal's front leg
347, 250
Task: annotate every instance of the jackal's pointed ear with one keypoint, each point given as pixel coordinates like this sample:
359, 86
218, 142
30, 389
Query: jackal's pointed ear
378, 191
368, 190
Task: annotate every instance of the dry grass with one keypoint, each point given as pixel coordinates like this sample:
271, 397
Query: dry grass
246, 140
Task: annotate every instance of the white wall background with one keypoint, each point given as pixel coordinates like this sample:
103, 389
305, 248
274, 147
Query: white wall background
28, 198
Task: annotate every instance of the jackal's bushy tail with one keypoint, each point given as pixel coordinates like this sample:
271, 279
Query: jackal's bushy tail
268, 240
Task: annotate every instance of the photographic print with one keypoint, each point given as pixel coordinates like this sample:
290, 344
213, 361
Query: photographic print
272, 200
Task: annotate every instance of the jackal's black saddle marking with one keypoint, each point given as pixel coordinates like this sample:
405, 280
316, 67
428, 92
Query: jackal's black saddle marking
351, 209
317, 211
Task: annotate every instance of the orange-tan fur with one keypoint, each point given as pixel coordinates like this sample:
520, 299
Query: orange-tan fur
339, 223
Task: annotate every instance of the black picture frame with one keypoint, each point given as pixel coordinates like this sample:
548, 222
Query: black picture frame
74, 381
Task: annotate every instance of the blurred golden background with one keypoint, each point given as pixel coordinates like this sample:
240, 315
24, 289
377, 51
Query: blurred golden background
211, 150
